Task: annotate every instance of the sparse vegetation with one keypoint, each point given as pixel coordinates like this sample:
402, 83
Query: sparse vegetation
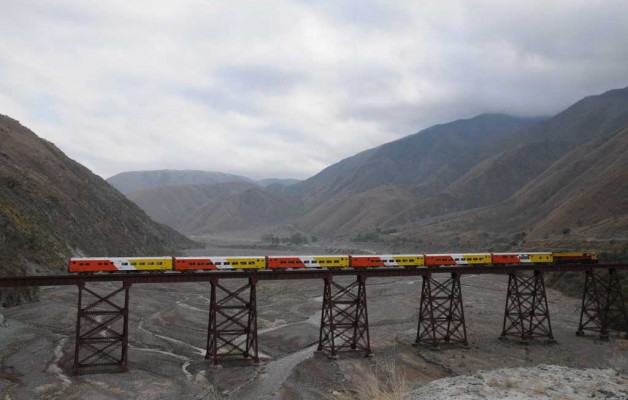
374, 235
294, 239
382, 382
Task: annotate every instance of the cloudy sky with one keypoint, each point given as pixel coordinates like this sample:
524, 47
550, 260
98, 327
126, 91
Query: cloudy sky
285, 88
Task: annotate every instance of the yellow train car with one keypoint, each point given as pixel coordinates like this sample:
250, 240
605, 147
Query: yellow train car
434, 260
239, 262
571, 257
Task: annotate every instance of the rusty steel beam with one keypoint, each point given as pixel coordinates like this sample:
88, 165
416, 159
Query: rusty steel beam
526, 315
232, 327
178, 277
344, 318
441, 313
602, 304
101, 343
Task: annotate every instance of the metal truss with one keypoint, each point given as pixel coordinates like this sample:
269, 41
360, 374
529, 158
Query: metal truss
344, 318
102, 330
602, 304
232, 330
441, 313
527, 314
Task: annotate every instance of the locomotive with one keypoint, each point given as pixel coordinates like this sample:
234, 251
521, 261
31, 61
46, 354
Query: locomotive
206, 263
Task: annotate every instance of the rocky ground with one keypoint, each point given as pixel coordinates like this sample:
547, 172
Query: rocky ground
541, 382
168, 328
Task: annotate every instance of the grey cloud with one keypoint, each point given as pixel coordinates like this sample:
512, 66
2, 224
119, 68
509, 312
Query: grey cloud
258, 78
317, 81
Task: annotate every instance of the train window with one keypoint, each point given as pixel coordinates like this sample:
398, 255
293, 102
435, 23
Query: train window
336, 261
306, 262
151, 263
142, 263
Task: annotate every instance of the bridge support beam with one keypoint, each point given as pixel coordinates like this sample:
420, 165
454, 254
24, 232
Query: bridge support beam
102, 330
441, 313
232, 328
602, 304
344, 318
527, 315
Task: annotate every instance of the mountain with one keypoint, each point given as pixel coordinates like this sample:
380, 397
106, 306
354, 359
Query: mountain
250, 208
127, 182
456, 168
277, 181
52, 208
444, 150
172, 205
478, 181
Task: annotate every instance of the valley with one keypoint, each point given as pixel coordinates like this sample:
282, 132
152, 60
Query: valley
168, 332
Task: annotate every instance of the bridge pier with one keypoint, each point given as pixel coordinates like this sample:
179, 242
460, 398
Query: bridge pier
344, 318
232, 327
102, 330
602, 304
441, 313
526, 315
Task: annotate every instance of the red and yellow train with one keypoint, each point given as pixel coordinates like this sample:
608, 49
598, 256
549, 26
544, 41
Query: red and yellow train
202, 263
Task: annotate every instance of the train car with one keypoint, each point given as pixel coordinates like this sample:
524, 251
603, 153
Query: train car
575, 257
435, 260
194, 263
318, 262
116, 264
397, 260
220, 263
522, 258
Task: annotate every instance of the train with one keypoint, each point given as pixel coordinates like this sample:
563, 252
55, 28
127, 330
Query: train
207, 263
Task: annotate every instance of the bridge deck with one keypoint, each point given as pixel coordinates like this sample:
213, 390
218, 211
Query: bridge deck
179, 277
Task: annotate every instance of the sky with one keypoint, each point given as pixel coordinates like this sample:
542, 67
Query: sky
283, 89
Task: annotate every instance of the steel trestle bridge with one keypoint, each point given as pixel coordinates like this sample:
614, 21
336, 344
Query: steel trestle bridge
102, 328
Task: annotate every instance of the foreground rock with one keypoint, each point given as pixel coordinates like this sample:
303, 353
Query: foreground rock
541, 382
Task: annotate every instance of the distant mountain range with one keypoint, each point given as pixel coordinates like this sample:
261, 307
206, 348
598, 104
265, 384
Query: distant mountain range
129, 182
467, 183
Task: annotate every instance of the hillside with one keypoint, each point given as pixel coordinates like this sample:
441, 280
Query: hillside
578, 201
445, 150
171, 205
127, 182
52, 208
248, 209
473, 181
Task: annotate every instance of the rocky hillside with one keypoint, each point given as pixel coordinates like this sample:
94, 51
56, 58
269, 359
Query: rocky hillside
52, 208
429, 160
248, 209
502, 184
172, 205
